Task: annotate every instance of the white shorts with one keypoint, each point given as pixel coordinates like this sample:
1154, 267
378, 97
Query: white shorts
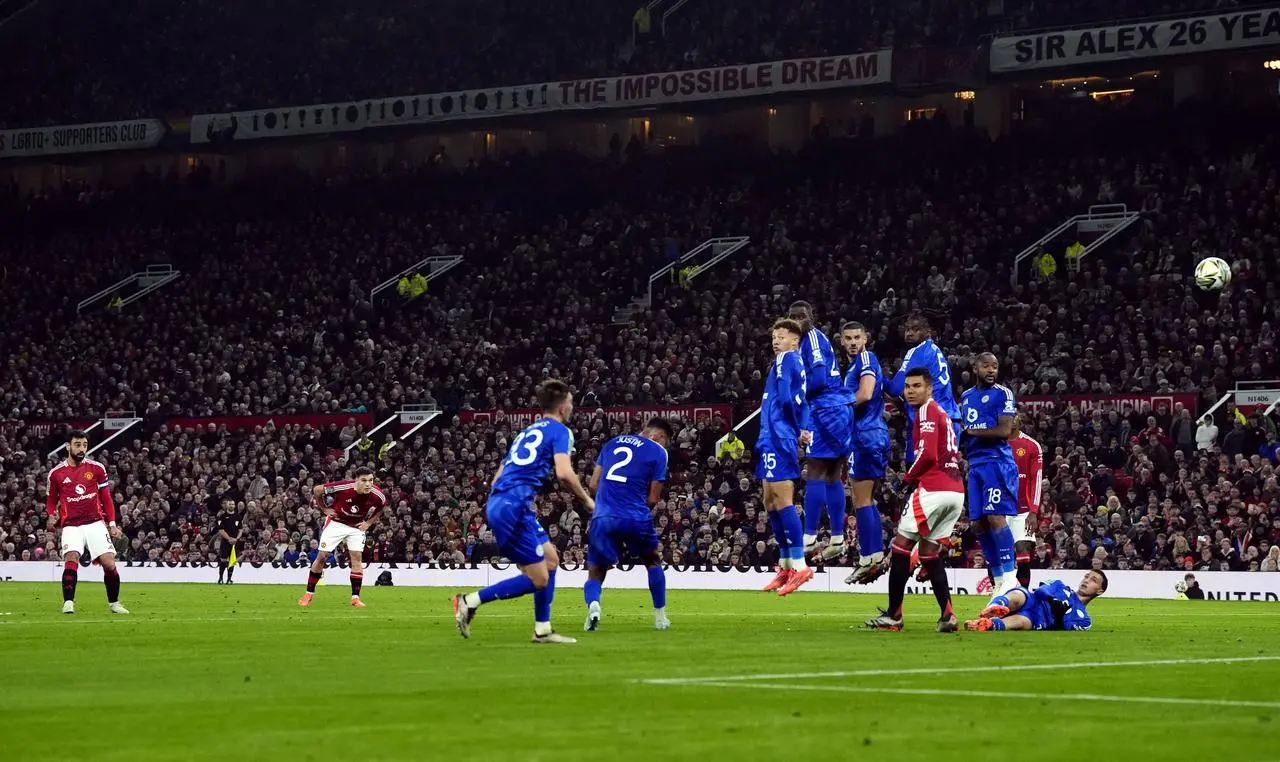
930, 515
335, 533
1019, 526
92, 536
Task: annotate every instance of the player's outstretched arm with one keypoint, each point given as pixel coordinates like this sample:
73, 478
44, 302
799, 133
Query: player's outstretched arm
593, 483
567, 477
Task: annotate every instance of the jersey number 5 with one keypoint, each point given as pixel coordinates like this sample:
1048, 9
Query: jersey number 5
525, 449
626, 454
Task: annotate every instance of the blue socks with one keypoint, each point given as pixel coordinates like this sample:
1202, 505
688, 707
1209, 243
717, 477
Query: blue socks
836, 509
511, 587
591, 592
1006, 559
779, 532
542, 599
815, 499
1000, 600
794, 532
870, 530
987, 541
657, 587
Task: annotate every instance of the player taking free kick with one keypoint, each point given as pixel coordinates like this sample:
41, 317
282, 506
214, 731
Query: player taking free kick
351, 507
78, 501
934, 507
538, 451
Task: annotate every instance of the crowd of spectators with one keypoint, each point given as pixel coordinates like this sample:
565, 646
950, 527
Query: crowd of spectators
85, 62
272, 316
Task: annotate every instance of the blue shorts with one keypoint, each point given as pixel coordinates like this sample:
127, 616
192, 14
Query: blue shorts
870, 457
832, 430
993, 489
1037, 610
777, 461
608, 537
515, 527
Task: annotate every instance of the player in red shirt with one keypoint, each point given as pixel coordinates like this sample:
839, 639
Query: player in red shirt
79, 501
350, 507
1030, 459
933, 507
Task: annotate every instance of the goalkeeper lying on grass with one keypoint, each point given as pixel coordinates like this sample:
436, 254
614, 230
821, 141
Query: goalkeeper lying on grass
1052, 606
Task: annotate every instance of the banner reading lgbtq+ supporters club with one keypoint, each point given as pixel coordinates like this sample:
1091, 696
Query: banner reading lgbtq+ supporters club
132, 134
1236, 30
773, 77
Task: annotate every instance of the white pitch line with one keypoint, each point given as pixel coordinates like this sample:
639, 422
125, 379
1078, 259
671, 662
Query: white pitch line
1225, 703
954, 670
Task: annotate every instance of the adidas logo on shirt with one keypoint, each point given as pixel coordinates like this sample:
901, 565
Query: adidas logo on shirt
66, 480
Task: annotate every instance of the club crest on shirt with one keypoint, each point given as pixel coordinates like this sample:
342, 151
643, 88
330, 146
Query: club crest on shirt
88, 476
1022, 451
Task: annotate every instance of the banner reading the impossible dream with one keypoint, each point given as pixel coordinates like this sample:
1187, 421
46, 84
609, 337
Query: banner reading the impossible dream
1155, 39
773, 77
81, 138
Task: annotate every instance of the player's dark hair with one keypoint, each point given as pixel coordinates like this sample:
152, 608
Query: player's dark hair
853, 325
918, 319
788, 324
76, 434
551, 394
987, 357
1103, 575
920, 373
362, 471
800, 306
663, 425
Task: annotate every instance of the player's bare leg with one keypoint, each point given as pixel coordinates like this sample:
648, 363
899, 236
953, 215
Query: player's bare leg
1023, 549
783, 497
111, 579
871, 566
313, 578
596, 574
70, 573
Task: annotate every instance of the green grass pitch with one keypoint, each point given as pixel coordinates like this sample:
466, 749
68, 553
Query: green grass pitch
200, 672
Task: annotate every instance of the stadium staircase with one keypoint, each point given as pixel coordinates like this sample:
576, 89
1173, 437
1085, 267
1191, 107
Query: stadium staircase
660, 11
1093, 228
133, 288
112, 424
413, 416
431, 268
696, 261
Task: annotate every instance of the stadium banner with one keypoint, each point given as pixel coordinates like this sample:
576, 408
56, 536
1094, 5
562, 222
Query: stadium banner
1237, 30
644, 90
41, 429
1250, 401
1224, 586
1087, 403
525, 416
129, 135
237, 423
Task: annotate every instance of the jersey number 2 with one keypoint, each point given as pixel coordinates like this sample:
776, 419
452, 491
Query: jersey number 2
525, 449
626, 453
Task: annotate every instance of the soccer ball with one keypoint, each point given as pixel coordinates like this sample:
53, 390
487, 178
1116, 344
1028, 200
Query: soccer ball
1213, 274
1180, 587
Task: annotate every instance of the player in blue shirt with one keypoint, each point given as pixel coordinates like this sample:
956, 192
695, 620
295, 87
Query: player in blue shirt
1052, 606
988, 410
924, 354
784, 429
541, 449
829, 403
634, 469
870, 456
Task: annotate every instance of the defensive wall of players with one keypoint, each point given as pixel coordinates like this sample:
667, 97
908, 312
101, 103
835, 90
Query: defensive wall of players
1233, 586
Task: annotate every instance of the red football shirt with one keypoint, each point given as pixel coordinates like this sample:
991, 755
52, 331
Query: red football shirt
937, 464
350, 507
78, 493
1030, 459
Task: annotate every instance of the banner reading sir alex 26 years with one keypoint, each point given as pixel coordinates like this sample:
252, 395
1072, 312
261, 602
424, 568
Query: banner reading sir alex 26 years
1236, 30
772, 77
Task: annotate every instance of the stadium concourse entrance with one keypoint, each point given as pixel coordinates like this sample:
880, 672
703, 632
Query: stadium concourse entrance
387, 294
1077, 237
682, 270
1247, 398
129, 290
101, 432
